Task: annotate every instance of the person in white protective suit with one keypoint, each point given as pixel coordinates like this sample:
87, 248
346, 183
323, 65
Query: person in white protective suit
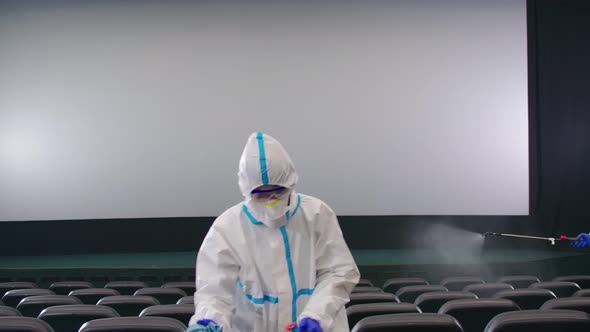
275, 261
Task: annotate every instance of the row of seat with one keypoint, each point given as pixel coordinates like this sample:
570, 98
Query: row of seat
390, 286
125, 305
410, 293
93, 295
113, 324
459, 283
73, 314
44, 280
428, 295
472, 312
515, 321
122, 287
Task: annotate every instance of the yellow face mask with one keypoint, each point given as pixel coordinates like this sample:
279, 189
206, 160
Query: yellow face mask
273, 202
272, 210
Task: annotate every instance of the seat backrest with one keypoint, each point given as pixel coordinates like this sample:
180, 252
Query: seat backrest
571, 303
408, 294
458, 283
8, 312
65, 287
134, 324
394, 284
360, 298
128, 305
411, 322
187, 286
487, 290
23, 324
92, 295
582, 293
517, 282
432, 301
186, 300
6, 286
559, 288
33, 305
526, 299
359, 311
540, 321
181, 312
69, 318
475, 314
582, 280
366, 289
13, 297
167, 295
364, 282
126, 287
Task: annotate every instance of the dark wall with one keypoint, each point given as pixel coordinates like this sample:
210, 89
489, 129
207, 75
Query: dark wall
561, 75
186, 234
559, 123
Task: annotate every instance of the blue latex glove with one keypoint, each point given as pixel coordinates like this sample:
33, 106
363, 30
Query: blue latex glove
583, 240
204, 325
310, 325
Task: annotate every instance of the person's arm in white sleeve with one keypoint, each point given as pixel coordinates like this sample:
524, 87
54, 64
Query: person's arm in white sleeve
337, 273
216, 277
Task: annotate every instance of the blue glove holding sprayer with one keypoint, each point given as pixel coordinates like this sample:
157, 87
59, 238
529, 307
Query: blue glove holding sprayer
309, 325
204, 325
583, 240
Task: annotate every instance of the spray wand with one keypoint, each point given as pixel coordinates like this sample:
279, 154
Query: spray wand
550, 239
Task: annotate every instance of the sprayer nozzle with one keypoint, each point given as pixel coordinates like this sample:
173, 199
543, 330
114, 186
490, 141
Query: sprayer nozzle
490, 234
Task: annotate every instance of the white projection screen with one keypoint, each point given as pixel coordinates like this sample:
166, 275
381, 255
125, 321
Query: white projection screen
138, 109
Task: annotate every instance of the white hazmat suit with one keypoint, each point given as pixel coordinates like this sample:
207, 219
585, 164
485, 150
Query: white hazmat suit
259, 274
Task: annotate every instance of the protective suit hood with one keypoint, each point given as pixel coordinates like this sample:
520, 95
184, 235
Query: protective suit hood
264, 161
